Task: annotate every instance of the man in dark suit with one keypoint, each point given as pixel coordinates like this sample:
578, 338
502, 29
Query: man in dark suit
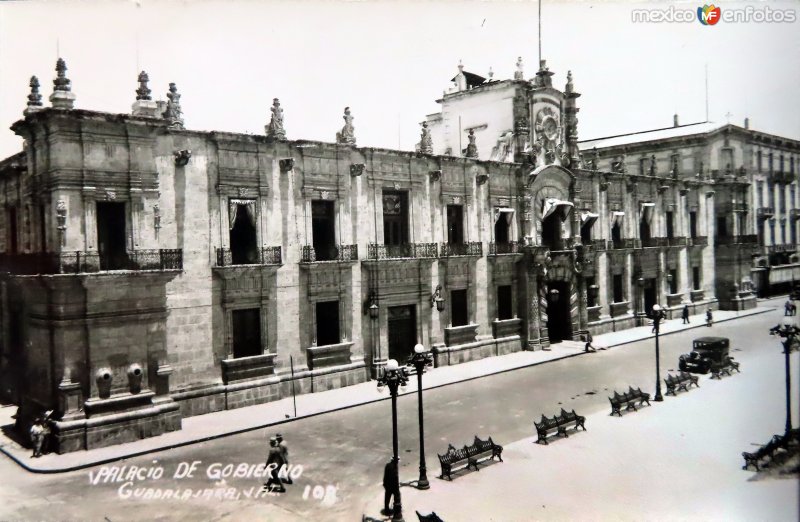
390, 486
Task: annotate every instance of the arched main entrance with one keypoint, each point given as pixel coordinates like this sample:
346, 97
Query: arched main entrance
559, 313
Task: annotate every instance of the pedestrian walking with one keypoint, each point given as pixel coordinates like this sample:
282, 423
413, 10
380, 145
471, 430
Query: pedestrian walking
274, 463
589, 347
685, 314
285, 456
709, 318
390, 487
787, 308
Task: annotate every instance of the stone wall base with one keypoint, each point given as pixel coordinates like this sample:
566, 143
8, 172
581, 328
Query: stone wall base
612, 324
739, 303
450, 355
108, 430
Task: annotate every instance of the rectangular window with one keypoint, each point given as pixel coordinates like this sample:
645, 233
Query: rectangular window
395, 217
111, 235
455, 224
616, 235
670, 226
246, 332
459, 308
759, 194
618, 289
644, 165
328, 323
244, 245
760, 163
693, 224
586, 234
323, 230
502, 228
673, 281
722, 226
12, 230
696, 277
42, 230
771, 162
504, 303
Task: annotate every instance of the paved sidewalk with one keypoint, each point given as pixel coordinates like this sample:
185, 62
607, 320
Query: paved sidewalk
214, 425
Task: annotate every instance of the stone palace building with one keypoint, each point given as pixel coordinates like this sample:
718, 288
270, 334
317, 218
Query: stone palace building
149, 272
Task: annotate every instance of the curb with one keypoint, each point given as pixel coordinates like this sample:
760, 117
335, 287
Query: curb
108, 460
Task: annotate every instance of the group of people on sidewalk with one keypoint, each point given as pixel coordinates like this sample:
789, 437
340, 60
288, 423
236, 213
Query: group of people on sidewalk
709, 316
277, 462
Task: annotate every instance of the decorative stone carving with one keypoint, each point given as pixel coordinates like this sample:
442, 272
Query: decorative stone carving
182, 157
683, 191
103, 378
135, 374
663, 188
34, 98
347, 135
143, 92
519, 74
435, 175
62, 97
456, 200
472, 149
631, 185
156, 218
243, 192
286, 164
426, 142
61, 214
174, 114
710, 194
357, 169
324, 194
481, 177
111, 195
275, 130
396, 185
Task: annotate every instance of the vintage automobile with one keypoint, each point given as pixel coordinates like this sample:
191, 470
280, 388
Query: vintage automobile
707, 353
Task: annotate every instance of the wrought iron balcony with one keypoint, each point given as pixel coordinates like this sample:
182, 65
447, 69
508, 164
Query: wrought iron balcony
655, 242
736, 240
601, 244
78, 262
739, 207
699, 241
473, 248
258, 256
404, 251
309, 254
765, 212
678, 241
776, 249
511, 247
627, 242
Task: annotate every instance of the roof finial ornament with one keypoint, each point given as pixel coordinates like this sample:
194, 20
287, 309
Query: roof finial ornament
174, 114
275, 130
143, 92
62, 97
426, 142
472, 149
34, 98
460, 66
491, 74
519, 73
347, 135
570, 87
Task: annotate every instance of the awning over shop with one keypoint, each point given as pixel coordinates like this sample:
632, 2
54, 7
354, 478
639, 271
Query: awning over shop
552, 205
506, 212
588, 218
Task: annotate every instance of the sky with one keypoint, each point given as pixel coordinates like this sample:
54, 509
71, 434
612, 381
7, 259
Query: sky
389, 61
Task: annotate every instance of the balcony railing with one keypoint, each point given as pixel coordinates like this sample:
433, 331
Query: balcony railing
776, 249
679, 241
474, 248
655, 242
404, 251
737, 240
309, 254
765, 212
78, 262
699, 241
512, 247
627, 242
259, 256
600, 244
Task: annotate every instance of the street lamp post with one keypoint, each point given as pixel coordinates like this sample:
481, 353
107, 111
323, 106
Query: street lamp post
658, 316
419, 361
394, 377
788, 332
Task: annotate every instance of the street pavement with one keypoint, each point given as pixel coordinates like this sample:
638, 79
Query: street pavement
679, 459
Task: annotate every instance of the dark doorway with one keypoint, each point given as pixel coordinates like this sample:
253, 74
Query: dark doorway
650, 295
246, 332
395, 218
586, 234
670, 225
559, 319
455, 224
616, 235
619, 291
696, 278
402, 332
644, 230
501, 229
693, 224
551, 231
12, 227
328, 323
323, 230
459, 309
244, 249
111, 235
722, 226
42, 230
505, 309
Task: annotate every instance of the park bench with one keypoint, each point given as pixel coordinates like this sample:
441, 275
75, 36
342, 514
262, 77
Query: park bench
766, 451
469, 455
558, 424
432, 517
628, 399
682, 381
727, 366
